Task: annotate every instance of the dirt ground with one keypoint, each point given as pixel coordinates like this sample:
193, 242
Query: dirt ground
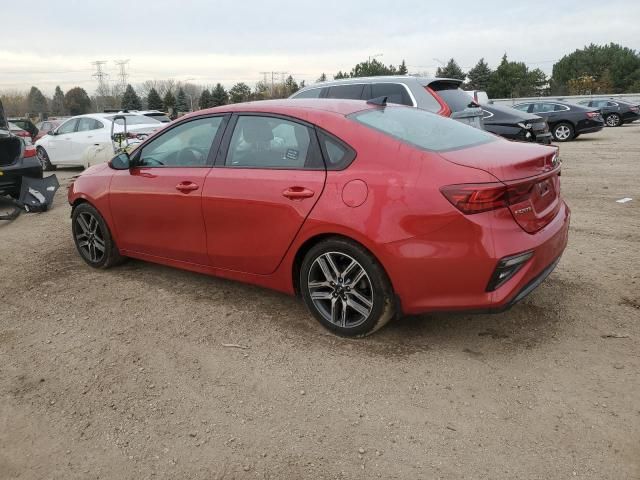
124, 374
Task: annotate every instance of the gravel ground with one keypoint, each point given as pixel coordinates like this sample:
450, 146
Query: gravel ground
127, 373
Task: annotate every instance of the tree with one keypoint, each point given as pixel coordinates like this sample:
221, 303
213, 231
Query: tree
154, 101
372, 68
290, 86
77, 101
451, 70
205, 99
479, 76
240, 92
322, 78
514, 79
181, 101
219, 96
57, 103
169, 101
402, 69
130, 99
620, 64
37, 102
340, 75
260, 92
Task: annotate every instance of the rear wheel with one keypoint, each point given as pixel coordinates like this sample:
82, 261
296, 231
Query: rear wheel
93, 238
563, 132
346, 288
43, 157
613, 120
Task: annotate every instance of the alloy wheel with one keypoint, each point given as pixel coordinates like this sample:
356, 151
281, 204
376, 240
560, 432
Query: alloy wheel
340, 289
562, 132
613, 120
42, 158
89, 237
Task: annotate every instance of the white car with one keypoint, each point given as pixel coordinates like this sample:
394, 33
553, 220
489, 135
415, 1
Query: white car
67, 144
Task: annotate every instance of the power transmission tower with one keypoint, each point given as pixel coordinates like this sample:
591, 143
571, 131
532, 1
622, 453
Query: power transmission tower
273, 76
101, 76
122, 65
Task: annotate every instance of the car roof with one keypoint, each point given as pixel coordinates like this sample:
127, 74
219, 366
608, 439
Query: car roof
424, 81
292, 106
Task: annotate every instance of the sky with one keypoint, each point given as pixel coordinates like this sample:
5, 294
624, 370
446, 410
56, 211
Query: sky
210, 41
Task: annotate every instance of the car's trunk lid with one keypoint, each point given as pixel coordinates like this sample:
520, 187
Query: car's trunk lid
530, 172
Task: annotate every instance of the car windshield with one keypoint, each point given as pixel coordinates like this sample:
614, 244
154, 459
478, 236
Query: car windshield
422, 129
455, 98
135, 120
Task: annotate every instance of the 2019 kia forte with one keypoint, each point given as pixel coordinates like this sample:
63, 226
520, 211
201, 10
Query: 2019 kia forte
367, 211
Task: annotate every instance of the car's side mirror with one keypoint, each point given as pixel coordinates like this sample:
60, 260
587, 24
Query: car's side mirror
52, 132
120, 162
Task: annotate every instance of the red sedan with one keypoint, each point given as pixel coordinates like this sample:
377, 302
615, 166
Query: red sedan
367, 211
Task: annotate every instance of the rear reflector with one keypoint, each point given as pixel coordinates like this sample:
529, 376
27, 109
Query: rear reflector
507, 268
482, 197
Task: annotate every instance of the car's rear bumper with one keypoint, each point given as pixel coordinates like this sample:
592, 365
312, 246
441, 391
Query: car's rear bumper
450, 270
11, 175
589, 126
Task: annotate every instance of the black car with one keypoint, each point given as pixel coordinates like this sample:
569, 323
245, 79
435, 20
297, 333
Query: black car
16, 160
27, 125
615, 112
515, 125
566, 120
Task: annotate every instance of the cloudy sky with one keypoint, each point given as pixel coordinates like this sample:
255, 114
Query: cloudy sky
54, 42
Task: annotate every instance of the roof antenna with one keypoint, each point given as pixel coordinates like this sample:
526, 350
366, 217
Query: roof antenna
379, 101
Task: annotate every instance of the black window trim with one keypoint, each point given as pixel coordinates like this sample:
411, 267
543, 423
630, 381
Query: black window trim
351, 152
221, 157
215, 146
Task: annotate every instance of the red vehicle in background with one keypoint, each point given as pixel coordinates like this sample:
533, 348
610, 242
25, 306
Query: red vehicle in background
19, 132
364, 209
47, 126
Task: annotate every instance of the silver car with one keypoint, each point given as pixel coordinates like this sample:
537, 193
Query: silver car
439, 95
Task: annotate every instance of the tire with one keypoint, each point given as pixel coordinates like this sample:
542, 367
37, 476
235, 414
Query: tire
43, 157
352, 305
90, 234
613, 120
563, 132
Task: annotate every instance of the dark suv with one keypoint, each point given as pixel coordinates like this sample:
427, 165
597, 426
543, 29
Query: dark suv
566, 120
615, 112
439, 95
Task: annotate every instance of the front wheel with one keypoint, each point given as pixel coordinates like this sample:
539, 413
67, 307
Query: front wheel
613, 120
346, 288
43, 157
563, 132
93, 238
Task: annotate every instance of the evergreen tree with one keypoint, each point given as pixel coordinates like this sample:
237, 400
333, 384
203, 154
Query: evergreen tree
77, 101
240, 92
402, 69
514, 79
219, 96
154, 102
479, 76
261, 92
322, 78
169, 101
340, 75
181, 101
205, 99
451, 70
57, 104
290, 86
372, 68
36, 101
130, 99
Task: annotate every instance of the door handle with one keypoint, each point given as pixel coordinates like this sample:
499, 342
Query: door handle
298, 193
185, 187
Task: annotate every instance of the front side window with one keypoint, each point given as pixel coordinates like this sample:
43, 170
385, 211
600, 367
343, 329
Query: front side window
422, 129
68, 127
186, 145
348, 92
271, 142
394, 92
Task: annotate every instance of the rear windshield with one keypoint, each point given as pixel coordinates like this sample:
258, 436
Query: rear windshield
422, 129
161, 117
454, 97
135, 120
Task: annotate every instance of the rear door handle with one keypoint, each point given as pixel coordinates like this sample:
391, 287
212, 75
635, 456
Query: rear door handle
185, 187
297, 193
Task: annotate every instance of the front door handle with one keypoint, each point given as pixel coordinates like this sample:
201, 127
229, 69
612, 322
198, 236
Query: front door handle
297, 193
186, 187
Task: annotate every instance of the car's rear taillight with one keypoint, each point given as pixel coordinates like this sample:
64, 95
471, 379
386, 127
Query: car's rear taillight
482, 197
29, 151
593, 114
445, 111
635, 109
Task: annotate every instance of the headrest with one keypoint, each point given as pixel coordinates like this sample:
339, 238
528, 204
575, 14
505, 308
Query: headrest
257, 131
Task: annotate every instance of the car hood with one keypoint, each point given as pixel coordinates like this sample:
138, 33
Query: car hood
500, 115
97, 168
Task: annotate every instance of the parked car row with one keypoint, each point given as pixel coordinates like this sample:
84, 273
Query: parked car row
615, 113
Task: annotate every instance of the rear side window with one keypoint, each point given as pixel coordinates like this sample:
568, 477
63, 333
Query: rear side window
453, 96
542, 107
523, 108
422, 129
312, 93
611, 104
560, 108
337, 154
395, 93
348, 92
86, 124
